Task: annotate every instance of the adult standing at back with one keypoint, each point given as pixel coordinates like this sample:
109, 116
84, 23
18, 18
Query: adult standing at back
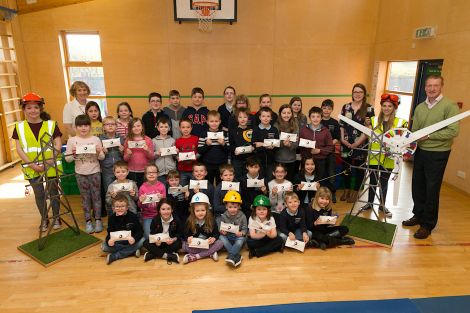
431, 156
352, 140
226, 109
80, 91
153, 115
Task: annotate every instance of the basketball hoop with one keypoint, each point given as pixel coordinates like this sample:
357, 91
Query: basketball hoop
205, 12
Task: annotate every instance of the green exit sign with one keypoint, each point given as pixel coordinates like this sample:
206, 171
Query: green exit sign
425, 32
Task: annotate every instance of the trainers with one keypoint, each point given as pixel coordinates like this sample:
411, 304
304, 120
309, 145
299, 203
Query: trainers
189, 258
110, 258
177, 257
89, 227
148, 256
57, 224
386, 212
98, 226
366, 207
239, 260
44, 225
172, 257
215, 256
229, 259
137, 253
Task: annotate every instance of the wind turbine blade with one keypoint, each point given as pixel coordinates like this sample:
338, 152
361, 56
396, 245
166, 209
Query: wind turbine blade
432, 128
356, 125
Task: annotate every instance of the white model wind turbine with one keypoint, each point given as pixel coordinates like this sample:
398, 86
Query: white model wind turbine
401, 141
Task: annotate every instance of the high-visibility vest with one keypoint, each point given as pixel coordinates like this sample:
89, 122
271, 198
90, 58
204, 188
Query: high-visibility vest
382, 160
32, 147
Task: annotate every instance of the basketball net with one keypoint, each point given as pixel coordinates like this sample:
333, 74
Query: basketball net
205, 12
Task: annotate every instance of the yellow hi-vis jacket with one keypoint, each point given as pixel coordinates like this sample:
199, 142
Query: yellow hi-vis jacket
32, 147
375, 146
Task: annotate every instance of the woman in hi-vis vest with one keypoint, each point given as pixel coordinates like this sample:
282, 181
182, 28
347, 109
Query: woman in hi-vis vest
382, 124
27, 135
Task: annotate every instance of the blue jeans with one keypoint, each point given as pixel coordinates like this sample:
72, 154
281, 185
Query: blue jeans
298, 235
122, 249
232, 243
146, 227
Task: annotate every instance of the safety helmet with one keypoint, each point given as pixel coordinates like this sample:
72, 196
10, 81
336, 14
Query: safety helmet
232, 196
200, 198
261, 200
31, 97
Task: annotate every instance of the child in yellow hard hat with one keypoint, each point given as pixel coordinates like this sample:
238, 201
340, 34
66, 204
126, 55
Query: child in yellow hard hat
233, 228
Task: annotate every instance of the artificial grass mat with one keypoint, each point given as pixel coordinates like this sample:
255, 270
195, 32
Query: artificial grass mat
369, 230
59, 246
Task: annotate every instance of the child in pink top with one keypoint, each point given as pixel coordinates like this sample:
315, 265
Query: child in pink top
151, 187
87, 170
137, 155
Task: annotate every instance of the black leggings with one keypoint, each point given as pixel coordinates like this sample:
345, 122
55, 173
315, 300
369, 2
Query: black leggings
265, 245
322, 235
159, 251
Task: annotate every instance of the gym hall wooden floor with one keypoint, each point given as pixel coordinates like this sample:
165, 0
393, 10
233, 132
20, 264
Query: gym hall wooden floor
437, 266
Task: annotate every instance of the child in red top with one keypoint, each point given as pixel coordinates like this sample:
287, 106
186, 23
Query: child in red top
137, 155
154, 188
186, 143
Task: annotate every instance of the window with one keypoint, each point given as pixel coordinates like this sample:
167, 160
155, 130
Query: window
82, 61
400, 81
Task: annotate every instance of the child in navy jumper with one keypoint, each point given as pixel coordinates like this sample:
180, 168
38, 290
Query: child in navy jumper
122, 220
227, 175
264, 130
240, 143
306, 175
226, 109
213, 152
200, 173
165, 223
292, 220
197, 113
151, 117
179, 198
250, 193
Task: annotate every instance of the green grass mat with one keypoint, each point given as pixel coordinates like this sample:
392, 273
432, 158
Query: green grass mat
59, 246
377, 232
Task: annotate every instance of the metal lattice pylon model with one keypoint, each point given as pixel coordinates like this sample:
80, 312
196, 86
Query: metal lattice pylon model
376, 172
47, 144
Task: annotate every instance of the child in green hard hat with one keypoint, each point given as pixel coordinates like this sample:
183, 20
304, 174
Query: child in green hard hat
263, 237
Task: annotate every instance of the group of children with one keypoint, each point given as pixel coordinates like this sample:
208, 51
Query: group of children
173, 159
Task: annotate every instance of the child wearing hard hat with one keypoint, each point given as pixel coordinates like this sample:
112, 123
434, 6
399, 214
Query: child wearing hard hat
201, 225
36, 165
263, 238
233, 228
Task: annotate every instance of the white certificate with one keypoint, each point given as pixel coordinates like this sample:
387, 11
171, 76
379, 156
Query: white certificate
109, 143
158, 237
228, 185
329, 220
120, 235
288, 136
283, 187
168, 151
122, 187
185, 156
311, 186
307, 143
229, 227
295, 244
152, 198
201, 184
136, 144
215, 135
178, 189
271, 143
253, 183
244, 149
261, 227
86, 149
199, 243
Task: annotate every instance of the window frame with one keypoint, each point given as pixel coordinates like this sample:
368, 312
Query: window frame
67, 64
